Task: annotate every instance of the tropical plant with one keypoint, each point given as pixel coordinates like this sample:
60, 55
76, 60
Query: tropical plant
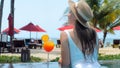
106, 12
17, 59
109, 57
112, 14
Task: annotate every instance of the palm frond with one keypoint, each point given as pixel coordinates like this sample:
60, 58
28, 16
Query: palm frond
108, 8
115, 23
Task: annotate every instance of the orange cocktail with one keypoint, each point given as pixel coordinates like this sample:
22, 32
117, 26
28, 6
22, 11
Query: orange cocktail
48, 46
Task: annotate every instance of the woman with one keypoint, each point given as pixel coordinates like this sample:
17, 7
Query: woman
79, 46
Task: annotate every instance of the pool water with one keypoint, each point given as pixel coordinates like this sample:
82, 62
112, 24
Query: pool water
104, 64
110, 64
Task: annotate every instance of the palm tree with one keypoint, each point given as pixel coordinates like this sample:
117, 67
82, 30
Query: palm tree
105, 13
1, 13
112, 12
95, 6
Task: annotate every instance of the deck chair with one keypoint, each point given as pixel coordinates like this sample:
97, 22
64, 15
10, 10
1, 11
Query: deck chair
39, 44
27, 41
58, 44
3, 46
18, 45
116, 43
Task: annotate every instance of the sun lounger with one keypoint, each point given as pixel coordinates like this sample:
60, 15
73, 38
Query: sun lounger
116, 43
58, 44
39, 44
27, 41
3, 47
18, 45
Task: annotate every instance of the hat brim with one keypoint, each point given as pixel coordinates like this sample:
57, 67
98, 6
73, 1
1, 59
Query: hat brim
73, 9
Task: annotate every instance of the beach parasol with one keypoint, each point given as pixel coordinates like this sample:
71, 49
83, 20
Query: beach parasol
97, 30
40, 30
30, 27
5, 31
66, 27
11, 27
116, 28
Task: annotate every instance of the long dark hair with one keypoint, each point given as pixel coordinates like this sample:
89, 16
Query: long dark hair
87, 37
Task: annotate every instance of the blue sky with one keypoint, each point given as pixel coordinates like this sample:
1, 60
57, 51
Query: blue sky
45, 13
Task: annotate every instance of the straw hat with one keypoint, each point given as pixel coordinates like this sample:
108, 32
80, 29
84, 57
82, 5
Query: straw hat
81, 11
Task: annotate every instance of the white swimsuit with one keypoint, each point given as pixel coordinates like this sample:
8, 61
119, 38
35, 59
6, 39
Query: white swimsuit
77, 57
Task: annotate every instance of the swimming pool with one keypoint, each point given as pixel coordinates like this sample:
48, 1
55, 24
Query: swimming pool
110, 63
104, 64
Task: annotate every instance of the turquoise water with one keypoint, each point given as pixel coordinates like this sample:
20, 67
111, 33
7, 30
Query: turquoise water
110, 66
110, 63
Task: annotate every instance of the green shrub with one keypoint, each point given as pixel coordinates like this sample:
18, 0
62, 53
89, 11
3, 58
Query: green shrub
55, 60
16, 59
105, 57
8, 59
35, 59
109, 57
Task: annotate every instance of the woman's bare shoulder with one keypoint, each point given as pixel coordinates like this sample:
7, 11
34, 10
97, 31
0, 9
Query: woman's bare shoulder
63, 35
64, 39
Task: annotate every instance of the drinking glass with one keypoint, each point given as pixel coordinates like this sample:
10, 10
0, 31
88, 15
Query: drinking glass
48, 47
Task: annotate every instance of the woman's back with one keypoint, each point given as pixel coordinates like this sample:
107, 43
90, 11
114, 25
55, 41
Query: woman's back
77, 58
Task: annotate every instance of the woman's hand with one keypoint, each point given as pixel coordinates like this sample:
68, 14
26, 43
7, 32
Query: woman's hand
60, 61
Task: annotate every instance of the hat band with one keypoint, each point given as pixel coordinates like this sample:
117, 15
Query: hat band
81, 13
80, 18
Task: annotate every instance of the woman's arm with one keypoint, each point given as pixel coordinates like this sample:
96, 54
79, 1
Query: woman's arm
65, 60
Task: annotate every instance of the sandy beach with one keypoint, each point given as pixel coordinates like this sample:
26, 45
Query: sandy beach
109, 51
39, 53
56, 52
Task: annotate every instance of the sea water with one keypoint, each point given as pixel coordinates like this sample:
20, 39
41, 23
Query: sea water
108, 41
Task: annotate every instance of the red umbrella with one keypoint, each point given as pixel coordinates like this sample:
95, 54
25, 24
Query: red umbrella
10, 21
6, 31
116, 28
97, 30
30, 27
66, 27
40, 29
